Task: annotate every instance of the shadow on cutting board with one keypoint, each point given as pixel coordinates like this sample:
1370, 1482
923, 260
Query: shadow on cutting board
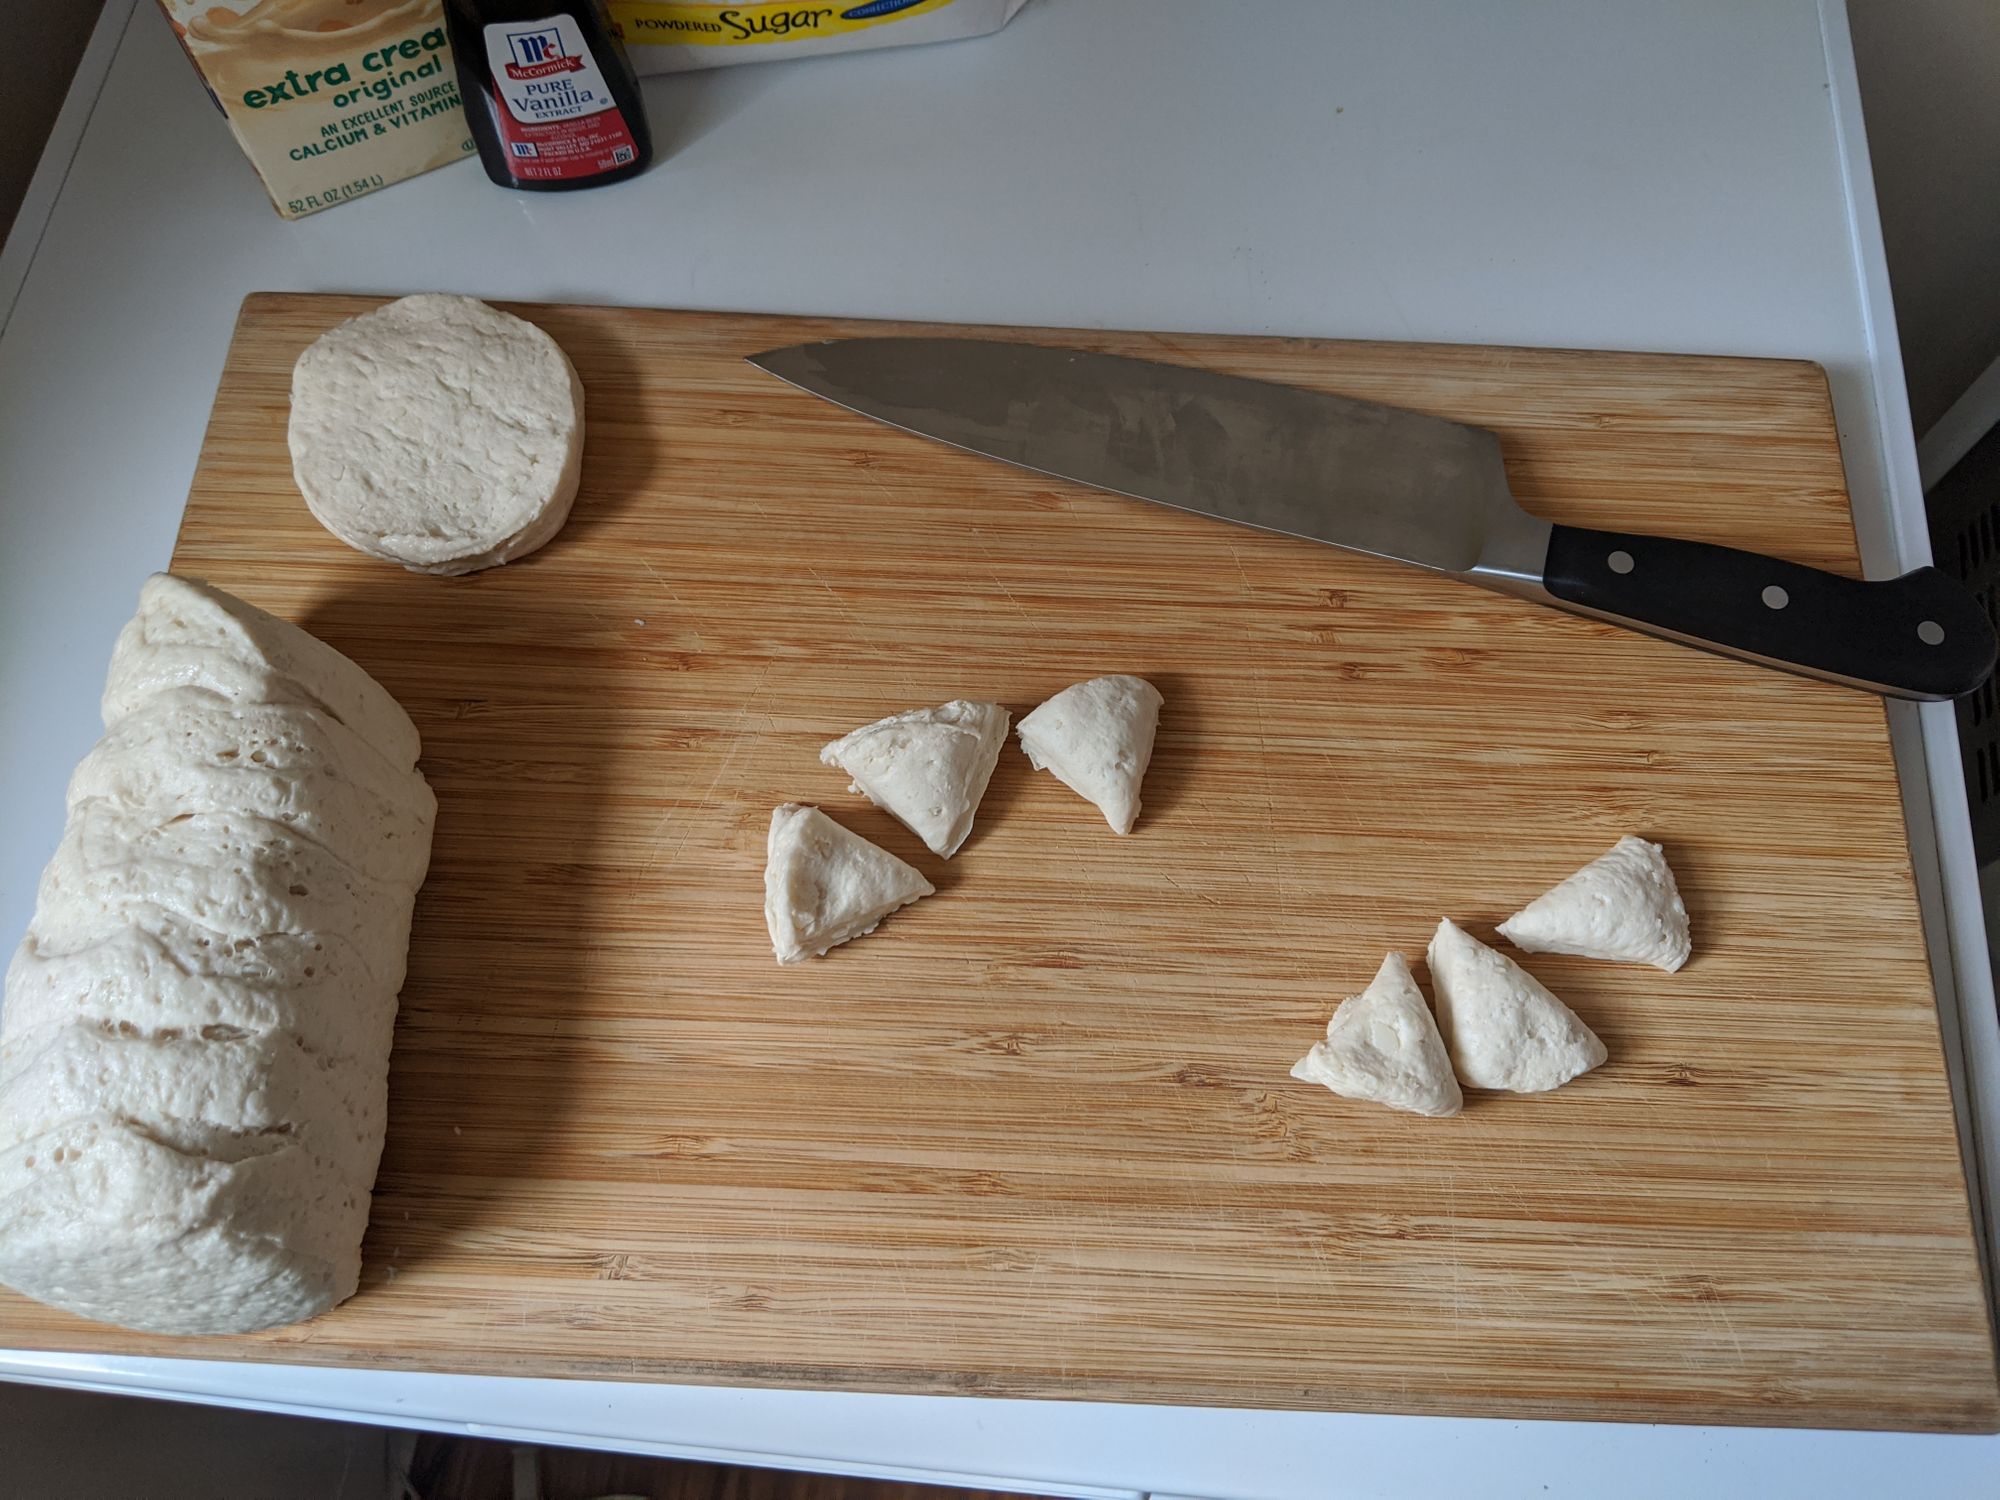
1173, 765
520, 729
621, 450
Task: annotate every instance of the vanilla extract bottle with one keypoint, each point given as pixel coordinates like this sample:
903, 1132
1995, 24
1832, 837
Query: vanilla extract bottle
549, 94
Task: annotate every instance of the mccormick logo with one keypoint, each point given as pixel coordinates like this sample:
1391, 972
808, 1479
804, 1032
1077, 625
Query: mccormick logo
538, 54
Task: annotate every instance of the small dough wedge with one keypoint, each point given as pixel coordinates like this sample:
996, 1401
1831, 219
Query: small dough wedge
1383, 1046
1623, 905
1097, 738
825, 885
927, 768
437, 432
1502, 1028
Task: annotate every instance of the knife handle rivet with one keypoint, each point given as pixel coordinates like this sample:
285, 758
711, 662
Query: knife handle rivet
1931, 633
1775, 597
1620, 561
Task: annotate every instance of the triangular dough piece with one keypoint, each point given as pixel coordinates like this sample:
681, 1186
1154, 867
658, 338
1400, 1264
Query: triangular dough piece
1504, 1031
824, 885
1383, 1046
1098, 739
1623, 905
928, 768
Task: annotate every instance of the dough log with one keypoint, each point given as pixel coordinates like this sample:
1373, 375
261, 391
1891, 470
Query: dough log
194, 1047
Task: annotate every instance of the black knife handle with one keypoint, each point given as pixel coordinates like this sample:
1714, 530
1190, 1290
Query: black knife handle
1922, 635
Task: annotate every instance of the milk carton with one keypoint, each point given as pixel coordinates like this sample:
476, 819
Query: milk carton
330, 99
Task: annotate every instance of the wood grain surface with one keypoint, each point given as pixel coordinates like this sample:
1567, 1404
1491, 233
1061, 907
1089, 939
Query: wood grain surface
1035, 1137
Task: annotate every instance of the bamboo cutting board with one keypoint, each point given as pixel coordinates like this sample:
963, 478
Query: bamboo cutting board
1035, 1137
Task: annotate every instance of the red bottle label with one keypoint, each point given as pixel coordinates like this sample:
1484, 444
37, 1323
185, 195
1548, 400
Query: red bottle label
556, 117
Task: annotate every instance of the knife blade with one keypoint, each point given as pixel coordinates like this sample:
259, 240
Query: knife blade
1395, 484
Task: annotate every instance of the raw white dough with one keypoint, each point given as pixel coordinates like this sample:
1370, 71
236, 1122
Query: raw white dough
1502, 1028
160, 974
1097, 737
1623, 905
195, 1036
824, 885
1383, 1046
187, 634
100, 1219
227, 1094
237, 875
438, 433
927, 768
188, 750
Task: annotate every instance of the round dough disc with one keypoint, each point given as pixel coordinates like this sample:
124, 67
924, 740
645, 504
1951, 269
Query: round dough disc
438, 433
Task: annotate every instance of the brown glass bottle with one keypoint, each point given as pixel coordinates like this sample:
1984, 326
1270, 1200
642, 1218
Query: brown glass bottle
549, 93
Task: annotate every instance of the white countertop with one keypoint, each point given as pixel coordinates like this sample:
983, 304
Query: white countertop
1605, 173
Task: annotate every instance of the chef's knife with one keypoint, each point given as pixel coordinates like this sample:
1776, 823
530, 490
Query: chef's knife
1397, 484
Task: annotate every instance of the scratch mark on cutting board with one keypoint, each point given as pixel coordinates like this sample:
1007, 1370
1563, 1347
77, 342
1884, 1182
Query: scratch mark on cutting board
834, 594
686, 614
753, 701
1263, 680
1457, 1256
1721, 1310
805, 566
1198, 895
860, 628
1279, 864
1242, 574
993, 572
